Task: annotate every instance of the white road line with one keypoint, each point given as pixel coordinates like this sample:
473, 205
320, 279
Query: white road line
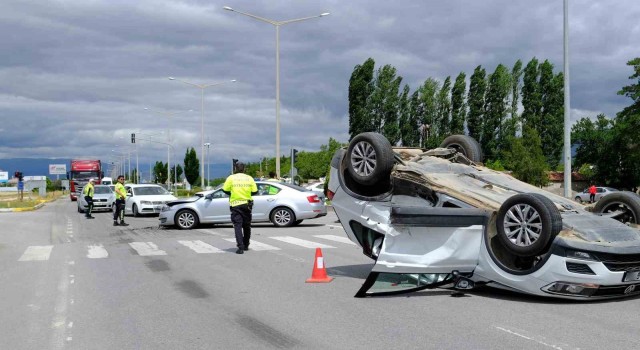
97, 252
35, 252
146, 248
212, 232
253, 245
335, 226
340, 239
301, 242
200, 247
533, 338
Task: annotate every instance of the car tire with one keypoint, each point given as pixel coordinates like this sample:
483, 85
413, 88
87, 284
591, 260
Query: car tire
534, 213
186, 219
134, 209
283, 217
464, 144
628, 202
369, 158
578, 199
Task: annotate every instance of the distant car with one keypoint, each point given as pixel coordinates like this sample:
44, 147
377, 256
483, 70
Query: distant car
146, 199
103, 199
276, 202
600, 192
318, 188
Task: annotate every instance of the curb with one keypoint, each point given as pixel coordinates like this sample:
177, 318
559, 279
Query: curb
9, 210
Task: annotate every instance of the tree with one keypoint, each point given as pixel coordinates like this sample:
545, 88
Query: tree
496, 109
191, 166
552, 114
627, 131
458, 106
531, 98
525, 159
160, 172
383, 103
407, 122
416, 116
511, 126
597, 147
429, 103
360, 87
176, 172
477, 88
443, 111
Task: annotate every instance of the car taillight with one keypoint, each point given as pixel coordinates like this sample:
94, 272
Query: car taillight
313, 199
330, 194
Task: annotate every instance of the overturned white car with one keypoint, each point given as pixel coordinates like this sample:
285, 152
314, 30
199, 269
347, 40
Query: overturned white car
437, 218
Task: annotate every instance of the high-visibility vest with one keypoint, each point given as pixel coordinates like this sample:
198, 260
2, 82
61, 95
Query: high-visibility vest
88, 190
240, 185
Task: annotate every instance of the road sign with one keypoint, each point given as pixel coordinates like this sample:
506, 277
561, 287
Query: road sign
4, 176
57, 169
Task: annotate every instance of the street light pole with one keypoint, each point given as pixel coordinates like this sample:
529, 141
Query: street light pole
277, 24
208, 164
567, 104
202, 87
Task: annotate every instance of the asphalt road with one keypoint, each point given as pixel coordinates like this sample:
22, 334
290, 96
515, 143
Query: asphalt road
72, 283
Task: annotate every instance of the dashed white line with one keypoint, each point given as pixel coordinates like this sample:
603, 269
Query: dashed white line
147, 248
533, 338
301, 242
35, 253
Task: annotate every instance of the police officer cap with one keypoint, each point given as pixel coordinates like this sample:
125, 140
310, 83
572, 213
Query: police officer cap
92, 180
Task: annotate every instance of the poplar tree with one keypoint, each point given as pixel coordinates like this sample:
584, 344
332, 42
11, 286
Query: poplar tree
191, 166
360, 87
531, 98
416, 109
458, 106
551, 127
383, 103
477, 87
429, 100
511, 127
408, 123
443, 127
496, 109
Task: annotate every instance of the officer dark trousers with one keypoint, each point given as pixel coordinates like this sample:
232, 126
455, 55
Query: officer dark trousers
241, 218
119, 213
89, 206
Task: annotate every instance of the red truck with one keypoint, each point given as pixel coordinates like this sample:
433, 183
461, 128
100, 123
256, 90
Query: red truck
80, 172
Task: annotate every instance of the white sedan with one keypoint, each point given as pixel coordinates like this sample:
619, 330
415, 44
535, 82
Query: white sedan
146, 199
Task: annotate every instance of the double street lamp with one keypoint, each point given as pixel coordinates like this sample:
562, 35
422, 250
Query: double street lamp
202, 87
277, 24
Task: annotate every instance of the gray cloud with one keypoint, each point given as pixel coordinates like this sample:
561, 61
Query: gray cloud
77, 75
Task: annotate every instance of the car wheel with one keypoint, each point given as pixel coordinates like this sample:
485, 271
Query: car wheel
464, 144
297, 222
627, 204
527, 223
578, 199
135, 211
283, 217
369, 158
186, 219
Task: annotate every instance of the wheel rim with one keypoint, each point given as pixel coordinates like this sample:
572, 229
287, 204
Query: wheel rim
282, 217
363, 158
627, 216
458, 149
186, 220
522, 225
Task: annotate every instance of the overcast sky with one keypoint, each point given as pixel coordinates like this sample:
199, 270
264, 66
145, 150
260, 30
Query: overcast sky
76, 75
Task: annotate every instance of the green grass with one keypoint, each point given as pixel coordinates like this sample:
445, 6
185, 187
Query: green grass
11, 200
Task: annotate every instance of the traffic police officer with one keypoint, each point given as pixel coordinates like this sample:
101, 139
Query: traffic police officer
240, 187
87, 192
121, 195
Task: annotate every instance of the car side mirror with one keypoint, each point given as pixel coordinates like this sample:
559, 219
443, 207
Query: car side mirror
208, 197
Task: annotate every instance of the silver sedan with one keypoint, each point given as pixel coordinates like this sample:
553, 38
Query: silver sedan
103, 199
279, 203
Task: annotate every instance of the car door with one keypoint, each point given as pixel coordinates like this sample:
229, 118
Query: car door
418, 247
263, 201
128, 201
215, 207
600, 191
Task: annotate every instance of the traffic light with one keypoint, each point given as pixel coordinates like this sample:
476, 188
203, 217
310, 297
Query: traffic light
133, 138
294, 155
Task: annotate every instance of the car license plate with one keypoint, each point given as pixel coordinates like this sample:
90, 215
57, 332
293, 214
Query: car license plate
631, 276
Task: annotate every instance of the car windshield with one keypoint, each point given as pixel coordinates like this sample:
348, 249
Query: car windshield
149, 191
83, 175
102, 190
295, 187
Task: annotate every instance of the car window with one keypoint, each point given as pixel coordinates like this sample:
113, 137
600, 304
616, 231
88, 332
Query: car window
102, 190
611, 189
129, 190
267, 190
295, 187
219, 194
599, 190
149, 191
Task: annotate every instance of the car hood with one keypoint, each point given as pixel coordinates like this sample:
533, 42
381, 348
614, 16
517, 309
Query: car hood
155, 198
184, 200
104, 195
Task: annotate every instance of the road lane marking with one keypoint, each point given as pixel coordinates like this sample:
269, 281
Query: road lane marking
200, 247
335, 226
301, 242
533, 338
212, 232
97, 252
340, 239
146, 248
36, 253
253, 245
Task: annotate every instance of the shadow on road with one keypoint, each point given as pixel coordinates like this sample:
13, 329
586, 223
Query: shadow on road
354, 271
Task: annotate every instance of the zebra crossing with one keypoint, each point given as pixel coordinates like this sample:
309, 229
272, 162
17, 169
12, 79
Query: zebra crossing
98, 251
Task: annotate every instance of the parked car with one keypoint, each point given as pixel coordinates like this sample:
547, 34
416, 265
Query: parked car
318, 188
584, 196
146, 199
431, 218
279, 203
103, 199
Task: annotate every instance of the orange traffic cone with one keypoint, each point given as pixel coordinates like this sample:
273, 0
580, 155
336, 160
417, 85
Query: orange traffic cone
319, 274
